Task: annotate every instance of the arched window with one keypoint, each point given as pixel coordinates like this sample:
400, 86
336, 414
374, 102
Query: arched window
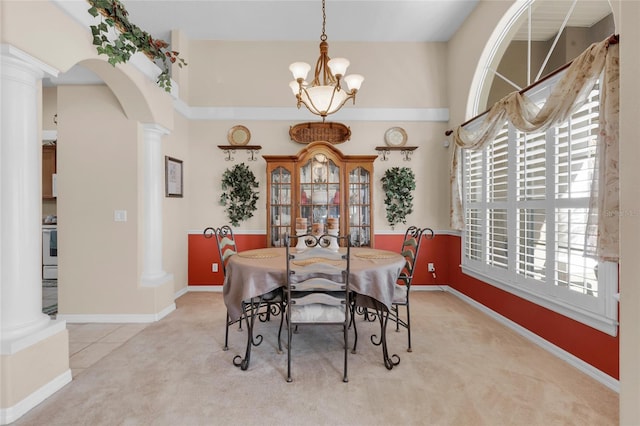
526, 196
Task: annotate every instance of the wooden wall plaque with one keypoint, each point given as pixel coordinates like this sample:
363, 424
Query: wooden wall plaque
331, 132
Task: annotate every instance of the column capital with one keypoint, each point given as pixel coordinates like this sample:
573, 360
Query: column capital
10, 53
155, 128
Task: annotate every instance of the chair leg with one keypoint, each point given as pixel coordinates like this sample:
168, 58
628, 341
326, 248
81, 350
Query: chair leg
289, 379
226, 334
396, 308
355, 328
382, 314
280, 329
409, 327
345, 329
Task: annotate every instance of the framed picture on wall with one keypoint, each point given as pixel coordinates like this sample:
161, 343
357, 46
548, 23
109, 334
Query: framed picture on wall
172, 177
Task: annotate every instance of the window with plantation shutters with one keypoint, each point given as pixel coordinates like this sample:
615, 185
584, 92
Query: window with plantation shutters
526, 202
474, 185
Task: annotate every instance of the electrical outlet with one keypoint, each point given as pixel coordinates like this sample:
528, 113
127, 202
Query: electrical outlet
214, 267
431, 267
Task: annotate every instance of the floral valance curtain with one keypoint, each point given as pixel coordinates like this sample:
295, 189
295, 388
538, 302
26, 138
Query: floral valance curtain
600, 59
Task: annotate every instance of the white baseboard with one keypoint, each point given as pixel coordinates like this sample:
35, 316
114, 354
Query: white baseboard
181, 292
117, 318
213, 288
429, 287
11, 414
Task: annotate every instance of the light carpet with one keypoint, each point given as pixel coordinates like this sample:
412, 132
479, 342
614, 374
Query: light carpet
465, 369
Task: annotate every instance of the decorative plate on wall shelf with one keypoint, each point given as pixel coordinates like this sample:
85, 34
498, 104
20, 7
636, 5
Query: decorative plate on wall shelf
395, 136
238, 135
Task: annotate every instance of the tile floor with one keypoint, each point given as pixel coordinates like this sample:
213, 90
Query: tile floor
90, 342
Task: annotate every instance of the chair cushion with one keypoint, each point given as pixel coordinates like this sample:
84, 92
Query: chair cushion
399, 294
317, 313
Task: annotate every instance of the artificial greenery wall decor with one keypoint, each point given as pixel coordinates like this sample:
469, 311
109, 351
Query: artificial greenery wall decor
239, 194
398, 184
118, 38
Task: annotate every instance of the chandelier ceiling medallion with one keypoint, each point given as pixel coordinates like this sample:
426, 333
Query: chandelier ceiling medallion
324, 95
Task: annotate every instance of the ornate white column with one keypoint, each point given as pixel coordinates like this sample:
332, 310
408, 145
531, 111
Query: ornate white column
20, 198
24, 329
153, 273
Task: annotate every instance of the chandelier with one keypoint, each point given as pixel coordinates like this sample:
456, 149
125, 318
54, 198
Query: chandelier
325, 95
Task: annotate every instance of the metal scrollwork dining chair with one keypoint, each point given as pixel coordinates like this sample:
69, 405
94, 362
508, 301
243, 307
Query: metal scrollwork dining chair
226, 245
317, 291
263, 307
410, 250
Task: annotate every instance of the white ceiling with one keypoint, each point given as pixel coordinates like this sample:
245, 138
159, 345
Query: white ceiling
346, 20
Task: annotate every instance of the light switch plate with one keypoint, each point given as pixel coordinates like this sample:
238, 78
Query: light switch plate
120, 215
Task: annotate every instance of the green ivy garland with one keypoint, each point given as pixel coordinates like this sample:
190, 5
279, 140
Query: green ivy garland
398, 184
117, 38
239, 194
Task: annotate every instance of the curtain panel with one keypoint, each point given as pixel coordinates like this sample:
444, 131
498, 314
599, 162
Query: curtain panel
569, 94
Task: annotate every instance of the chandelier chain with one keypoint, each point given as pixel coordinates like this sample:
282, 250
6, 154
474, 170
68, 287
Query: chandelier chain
323, 37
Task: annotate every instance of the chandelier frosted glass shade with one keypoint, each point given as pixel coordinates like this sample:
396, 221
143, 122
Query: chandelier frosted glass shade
323, 100
299, 70
338, 66
354, 81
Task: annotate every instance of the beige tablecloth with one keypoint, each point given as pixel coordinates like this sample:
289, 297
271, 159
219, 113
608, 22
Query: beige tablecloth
255, 272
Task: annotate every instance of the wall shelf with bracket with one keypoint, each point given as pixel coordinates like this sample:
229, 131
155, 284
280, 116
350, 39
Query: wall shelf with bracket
229, 150
405, 151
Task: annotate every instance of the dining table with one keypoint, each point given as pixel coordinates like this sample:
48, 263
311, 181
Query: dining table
251, 275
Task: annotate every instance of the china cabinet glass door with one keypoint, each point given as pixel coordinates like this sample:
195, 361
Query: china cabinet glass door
280, 204
360, 206
319, 190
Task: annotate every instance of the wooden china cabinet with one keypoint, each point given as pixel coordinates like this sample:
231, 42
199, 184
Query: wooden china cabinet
318, 183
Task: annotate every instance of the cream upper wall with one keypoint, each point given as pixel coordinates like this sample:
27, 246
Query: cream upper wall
255, 74
404, 75
44, 31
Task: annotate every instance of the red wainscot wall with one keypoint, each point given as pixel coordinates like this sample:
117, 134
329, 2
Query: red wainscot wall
203, 253
430, 252
592, 346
